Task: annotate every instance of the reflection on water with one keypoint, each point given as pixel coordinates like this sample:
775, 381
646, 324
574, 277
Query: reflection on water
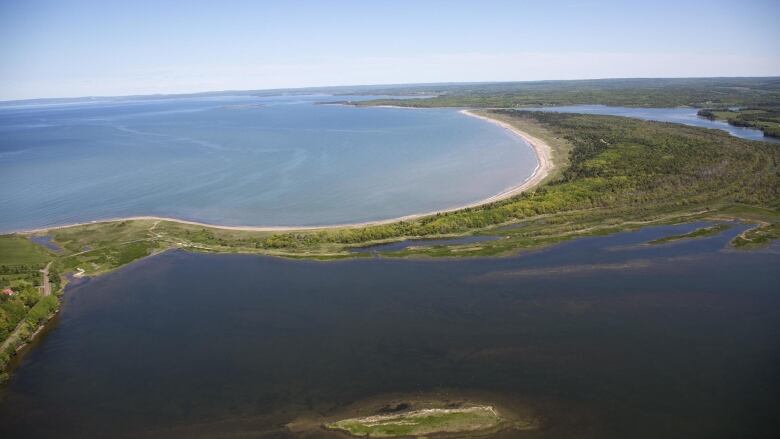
602, 336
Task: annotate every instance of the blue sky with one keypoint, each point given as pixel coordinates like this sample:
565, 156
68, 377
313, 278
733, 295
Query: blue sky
88, 48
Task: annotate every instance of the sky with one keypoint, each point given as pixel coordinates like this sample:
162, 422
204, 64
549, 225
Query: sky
69, 48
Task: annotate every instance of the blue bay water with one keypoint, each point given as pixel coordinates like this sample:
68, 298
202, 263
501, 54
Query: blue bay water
245, 160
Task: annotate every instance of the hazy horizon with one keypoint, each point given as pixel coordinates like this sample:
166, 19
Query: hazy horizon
367, 86
85, 48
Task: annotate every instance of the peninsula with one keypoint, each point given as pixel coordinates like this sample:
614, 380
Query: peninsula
596, 175
376, 219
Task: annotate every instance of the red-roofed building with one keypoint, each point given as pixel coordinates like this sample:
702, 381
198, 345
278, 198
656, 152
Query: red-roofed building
8, 292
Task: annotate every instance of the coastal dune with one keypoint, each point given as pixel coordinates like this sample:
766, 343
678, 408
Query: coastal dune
543, 168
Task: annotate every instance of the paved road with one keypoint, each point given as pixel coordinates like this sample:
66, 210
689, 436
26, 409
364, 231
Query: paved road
46, 285
45, 290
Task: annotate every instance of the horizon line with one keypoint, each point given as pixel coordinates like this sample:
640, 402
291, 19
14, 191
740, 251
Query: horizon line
321, 87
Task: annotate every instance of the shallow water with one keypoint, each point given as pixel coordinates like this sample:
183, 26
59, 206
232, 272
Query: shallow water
401, 245
687, 116
603, 337
47, 242
242, 160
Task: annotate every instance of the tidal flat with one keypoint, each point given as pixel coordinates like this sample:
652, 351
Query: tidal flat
681, 341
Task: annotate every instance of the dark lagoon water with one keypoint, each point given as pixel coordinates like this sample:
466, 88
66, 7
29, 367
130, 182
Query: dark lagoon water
244, 160
401, 245
47, 242
687, 116
601, 337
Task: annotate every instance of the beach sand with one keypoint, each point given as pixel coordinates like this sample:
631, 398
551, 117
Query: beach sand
541, 149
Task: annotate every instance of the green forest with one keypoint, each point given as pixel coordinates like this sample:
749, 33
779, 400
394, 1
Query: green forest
699, 92
767, 119
26, 309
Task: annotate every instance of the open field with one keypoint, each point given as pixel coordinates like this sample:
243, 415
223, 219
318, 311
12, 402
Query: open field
16, 250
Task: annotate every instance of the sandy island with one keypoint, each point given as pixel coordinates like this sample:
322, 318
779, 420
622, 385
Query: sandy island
541, 149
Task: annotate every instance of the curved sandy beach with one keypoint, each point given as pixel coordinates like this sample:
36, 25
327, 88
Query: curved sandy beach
541, 149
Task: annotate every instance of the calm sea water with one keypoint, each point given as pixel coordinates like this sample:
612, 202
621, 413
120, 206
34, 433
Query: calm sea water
246, 161
603, 337
685, 116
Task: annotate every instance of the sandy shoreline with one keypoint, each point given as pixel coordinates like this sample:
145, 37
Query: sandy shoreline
541, 149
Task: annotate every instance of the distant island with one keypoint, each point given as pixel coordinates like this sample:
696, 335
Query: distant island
432, 414
422, 422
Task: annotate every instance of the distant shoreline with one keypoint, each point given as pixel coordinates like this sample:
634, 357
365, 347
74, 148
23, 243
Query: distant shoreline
541, 149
